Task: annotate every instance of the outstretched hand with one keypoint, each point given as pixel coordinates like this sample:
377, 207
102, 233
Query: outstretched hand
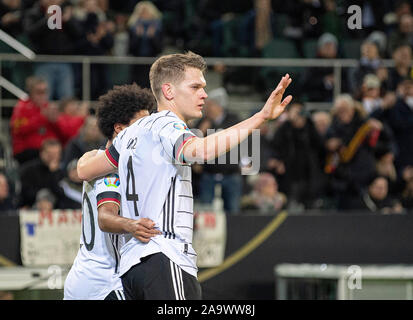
275, 105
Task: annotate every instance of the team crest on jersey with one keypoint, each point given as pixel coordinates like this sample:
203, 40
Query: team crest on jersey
180, 126
112, 181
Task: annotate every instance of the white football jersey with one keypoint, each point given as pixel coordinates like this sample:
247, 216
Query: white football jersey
95, 271
156, 184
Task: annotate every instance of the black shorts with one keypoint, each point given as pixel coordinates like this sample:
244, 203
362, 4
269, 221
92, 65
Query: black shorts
115, 295
156, 277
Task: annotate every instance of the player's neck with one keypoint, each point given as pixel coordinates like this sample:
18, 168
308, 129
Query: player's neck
171, 107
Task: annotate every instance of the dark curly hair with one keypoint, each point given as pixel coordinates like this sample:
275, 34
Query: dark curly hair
121, 104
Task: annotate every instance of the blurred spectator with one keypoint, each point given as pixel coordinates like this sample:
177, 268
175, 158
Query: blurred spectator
72, 188
45, 200
263, 20
403, 35
88, 138
265, 157
97, 40
41, 173
11, 17
322, 121
265, 198
369, 63
351, 142
226, 174
385, 167
330, 20
55, 42
317, 83
377, 199
380, 39
298, 146
33, 121
391, 18
121, 36
6, 200
383, 74
71, 118
402, 57
304, 17
399, 117
145, 38
370, 95
266, 146
83, 8
232, 26
173, 11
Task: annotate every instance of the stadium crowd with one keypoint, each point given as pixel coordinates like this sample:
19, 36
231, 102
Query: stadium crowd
359, 155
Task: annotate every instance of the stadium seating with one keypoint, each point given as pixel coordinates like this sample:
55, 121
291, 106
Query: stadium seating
279, 48
351, 48
310, 48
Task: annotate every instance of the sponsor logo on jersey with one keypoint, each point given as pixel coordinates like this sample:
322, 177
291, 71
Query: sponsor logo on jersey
112, 181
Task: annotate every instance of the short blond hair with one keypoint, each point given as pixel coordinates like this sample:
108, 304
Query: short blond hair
171, 68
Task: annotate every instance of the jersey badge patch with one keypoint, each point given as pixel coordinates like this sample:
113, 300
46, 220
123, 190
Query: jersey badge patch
180, 126
112, 181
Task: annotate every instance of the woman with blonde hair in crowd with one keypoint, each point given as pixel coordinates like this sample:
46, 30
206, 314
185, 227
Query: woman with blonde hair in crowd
145, 38
144, 10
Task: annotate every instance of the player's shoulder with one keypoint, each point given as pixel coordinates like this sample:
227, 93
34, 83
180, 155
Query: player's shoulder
162, 119
166, 121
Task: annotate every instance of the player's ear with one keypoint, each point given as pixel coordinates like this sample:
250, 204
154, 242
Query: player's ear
168, 91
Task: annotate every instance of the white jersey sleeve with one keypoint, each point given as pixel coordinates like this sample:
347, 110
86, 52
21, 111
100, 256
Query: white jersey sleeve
112, 153
108, 190
174, 135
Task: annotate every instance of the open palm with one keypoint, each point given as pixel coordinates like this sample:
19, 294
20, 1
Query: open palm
275, 105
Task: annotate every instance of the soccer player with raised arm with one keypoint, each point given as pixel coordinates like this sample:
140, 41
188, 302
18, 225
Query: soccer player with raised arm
153, 157
95, 271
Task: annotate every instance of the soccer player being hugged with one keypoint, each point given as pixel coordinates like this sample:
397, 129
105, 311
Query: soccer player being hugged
154, 157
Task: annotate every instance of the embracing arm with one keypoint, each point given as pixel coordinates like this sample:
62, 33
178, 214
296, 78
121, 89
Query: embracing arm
92, 165
109, 221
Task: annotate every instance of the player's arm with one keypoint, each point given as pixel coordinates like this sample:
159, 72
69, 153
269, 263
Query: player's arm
109, 221
214, 145
92, 165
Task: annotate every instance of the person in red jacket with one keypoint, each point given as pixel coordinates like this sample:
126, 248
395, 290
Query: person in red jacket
33, 120
71, 118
